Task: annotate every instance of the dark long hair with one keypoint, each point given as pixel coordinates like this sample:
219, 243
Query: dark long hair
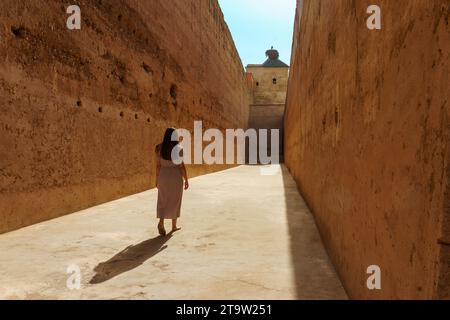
168, 145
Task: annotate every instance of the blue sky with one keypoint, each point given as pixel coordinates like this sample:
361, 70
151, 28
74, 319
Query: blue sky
256, 25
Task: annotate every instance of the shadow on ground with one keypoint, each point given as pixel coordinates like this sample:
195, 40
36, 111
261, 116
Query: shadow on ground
315, 277
129, 259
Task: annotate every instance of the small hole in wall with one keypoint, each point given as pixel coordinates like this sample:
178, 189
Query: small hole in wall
79, 103
18, 32
151, 95
147, 68
173, 91
148, 120
122, 114
100, 109
136, 116
257, 84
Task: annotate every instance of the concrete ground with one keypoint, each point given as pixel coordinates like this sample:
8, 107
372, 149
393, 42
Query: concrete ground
244, 236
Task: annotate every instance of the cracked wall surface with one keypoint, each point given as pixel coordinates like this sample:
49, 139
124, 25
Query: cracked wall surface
81, 111
367, 138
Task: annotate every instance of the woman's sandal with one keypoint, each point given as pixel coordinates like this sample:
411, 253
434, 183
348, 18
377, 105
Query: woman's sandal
162, 231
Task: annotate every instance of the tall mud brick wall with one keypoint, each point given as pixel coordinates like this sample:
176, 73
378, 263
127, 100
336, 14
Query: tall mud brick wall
81, 111
368, 138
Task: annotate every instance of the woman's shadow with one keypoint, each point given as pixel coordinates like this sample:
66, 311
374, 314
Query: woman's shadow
129, 258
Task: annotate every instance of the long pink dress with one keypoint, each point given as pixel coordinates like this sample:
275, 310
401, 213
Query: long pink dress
170, 188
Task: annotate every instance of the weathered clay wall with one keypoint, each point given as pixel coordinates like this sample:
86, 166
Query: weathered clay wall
367, 140
81, 111
265, 91
268, 117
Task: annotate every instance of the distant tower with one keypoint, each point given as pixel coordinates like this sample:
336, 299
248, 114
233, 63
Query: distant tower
269, 80
268, 83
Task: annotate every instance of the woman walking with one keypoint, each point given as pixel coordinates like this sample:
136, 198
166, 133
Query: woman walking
170, 173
